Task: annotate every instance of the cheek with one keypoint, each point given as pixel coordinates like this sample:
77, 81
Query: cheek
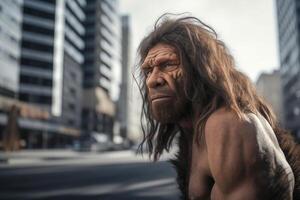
174, 79
177, 75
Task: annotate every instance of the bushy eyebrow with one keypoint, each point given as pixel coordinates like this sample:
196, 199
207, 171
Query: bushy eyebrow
164, 59
157, 60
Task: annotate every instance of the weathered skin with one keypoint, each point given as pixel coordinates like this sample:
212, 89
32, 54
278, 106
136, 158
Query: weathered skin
234, 156
163, 72
163, 58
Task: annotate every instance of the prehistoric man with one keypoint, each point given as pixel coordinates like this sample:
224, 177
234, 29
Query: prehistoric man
230, 145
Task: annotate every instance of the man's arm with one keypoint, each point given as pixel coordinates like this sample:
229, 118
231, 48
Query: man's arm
233, 156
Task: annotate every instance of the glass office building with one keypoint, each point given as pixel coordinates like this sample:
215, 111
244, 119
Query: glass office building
51, 58
10, 36
101, 66
288, 12
50, 76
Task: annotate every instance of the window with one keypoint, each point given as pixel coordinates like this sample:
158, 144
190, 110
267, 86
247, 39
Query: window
73, 92
37, 46
35, 80
36, 63
37, 29
71, 106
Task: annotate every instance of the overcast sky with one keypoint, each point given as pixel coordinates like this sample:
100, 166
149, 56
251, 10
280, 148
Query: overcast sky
249, 28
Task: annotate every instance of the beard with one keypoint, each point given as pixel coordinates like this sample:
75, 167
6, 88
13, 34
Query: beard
170, 111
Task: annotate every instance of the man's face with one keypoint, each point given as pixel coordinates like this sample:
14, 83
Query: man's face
163, 71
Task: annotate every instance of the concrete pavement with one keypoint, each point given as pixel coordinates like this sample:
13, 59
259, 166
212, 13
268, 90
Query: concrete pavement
65, 156
47, 157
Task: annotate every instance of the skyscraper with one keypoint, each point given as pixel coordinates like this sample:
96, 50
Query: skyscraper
50, 75
269, 86
130, 102
289, 29
61, 63
123, 111
101, 66
10, 36
52, 44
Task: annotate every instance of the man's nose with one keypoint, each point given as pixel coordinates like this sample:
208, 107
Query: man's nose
155, 79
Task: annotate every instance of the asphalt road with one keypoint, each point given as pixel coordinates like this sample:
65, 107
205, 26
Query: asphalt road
114, 178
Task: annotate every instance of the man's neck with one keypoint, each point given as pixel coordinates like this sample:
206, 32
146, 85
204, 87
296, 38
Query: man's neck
186, 125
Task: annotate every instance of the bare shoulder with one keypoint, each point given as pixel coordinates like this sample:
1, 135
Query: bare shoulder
225, 123
229, 137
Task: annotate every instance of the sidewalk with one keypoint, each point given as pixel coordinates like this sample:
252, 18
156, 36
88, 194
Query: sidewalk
67, 156
40, 156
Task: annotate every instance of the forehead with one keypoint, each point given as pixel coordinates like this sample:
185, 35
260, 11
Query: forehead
160, 51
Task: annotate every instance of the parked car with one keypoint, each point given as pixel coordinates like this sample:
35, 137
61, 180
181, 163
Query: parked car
94, 142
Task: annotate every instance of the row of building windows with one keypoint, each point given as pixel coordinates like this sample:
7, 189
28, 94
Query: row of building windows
97, 121
37, 46
76, 9
39, 99
35, 80
75, 24
38, 29
51, 2
38, 13
35, 63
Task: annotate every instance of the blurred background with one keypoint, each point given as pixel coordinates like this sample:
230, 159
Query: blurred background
70, 108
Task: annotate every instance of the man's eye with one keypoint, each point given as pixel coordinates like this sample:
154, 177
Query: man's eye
168, 65
165, 64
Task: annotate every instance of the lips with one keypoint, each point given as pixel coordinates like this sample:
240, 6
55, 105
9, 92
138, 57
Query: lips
160, 97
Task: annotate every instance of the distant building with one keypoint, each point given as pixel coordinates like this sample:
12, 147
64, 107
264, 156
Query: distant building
52, 44
10, 37
122, 109
288, 14
130, 100
36, 65
129, 106
269, 86
134, 131
102, 65
49, 75
61, 69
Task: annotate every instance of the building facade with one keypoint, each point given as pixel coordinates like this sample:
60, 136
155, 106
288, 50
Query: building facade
122, 108
10, 37
52, 45
50, 75
288, 14
61, 68
72, 61
37, 47
269, 87
129, 106
101, 66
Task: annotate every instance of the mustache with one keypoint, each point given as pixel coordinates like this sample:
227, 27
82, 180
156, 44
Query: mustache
159, 93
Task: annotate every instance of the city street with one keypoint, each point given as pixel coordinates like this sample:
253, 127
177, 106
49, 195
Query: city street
72, 175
